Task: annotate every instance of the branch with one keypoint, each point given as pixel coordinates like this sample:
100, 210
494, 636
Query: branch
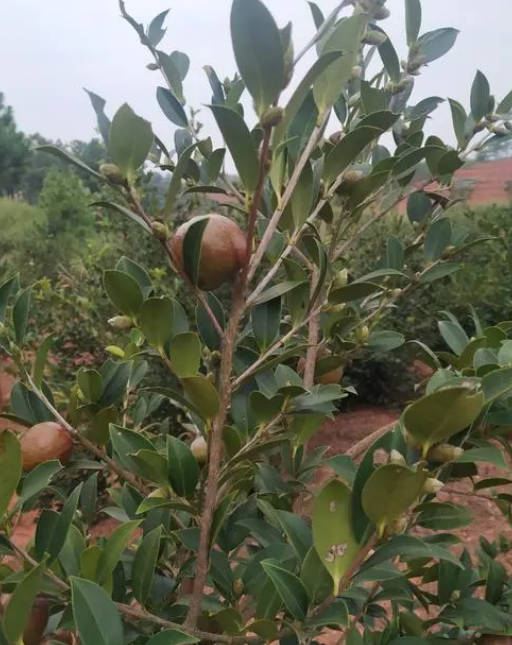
312, 352
215, 444
357, 449
124, 474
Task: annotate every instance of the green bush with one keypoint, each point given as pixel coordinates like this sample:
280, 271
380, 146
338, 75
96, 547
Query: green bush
21, 226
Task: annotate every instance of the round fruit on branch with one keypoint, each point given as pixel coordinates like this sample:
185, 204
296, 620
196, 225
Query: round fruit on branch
44, 442
223, 248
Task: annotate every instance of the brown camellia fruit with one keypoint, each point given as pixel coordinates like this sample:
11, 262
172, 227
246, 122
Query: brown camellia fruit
37, 622
329, 378
223, 248
44, 442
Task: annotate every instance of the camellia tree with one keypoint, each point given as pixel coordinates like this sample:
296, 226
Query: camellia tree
222, 537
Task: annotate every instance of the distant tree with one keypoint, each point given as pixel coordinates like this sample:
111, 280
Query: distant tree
14, 151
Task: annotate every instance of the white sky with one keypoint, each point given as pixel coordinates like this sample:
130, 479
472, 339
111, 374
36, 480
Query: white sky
50, 49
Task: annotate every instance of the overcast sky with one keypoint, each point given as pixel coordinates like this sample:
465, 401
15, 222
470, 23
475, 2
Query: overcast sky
50, 49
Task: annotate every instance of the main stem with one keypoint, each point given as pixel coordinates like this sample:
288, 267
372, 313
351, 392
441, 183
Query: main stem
225, 390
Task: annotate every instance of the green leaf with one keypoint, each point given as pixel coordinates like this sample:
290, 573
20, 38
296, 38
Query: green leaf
385, 340
171, 107
123, 210
459, 119
172, 637
90, 383
183, 467
156, 321
389, 492
37, 479
177, 177
130, 142
332, 528
345, 37
438, 416
185, 354
412, 21
409, 548
290, 589
10, 468
207, 331
453, 335
20, 311
505, 105
497, 383
153, 465
192, 248
97, 619
488, 454
40, 362
449, 163
155, 31
69, 158
123, 291
113, 550
115, 381
443, 516
480, 94
277, 291
315, 578
347, 150
439, 236
63, 524
18, 608
240, 144
258, 51
127, 443
354, 291
182, 62
172, 74
435, 44
98, 105
177, 397
7, 290
389, 57
265, 319
438, 272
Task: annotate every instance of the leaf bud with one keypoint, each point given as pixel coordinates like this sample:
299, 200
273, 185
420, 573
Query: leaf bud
113, 173
160, 231
121, 322
272, 117
444, 453
374, 37
341, 279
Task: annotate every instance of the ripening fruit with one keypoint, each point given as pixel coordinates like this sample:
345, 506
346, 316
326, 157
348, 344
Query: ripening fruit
223, 248
37, 622
44, 442
199, 449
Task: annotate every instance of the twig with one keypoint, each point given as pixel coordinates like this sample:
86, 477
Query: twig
124, 474
312, 351
225, 390
357, 449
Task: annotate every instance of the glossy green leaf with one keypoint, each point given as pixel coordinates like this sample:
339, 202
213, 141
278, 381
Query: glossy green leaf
389, 492
7, 291
385, 340
438, 416
63, 523
258, 51
315, 578
69, 158
332, 531
278, 290
183, 467
407, 548
459, 119
354, 291
38, 479
347, 150
240, 144
97, 619
439, 236
156, 320
127, 443
487, 454
449, 163
192, 248
480, 95
185, 354
172, 75
123, 291
389, 58
115, 380
10, 468
443, 516
113, 550
207, 331
90, 384
98, 105
438, 272
123, 210
497, 383
20, 604
177, 177
41, 357
171, 107
265, 319
290, 589
172, 637
412, 21
435, 44
131, 138
153, 466
20, 310
418, 206
453, 335
182, 62
155, 31
345, 37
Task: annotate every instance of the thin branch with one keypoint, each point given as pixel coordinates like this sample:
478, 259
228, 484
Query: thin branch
314, 328
124, 474
215, 445
357, 449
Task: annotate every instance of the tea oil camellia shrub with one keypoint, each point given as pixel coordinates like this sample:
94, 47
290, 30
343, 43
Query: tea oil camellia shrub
209, 546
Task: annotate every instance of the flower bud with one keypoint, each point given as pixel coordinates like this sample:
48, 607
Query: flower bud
432, 486
443, 453
341, 279
363, 334
396, 292
160, 231
374, 37
199, 449
272, 117
396, 457
226, 84
121, 322
112, 172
